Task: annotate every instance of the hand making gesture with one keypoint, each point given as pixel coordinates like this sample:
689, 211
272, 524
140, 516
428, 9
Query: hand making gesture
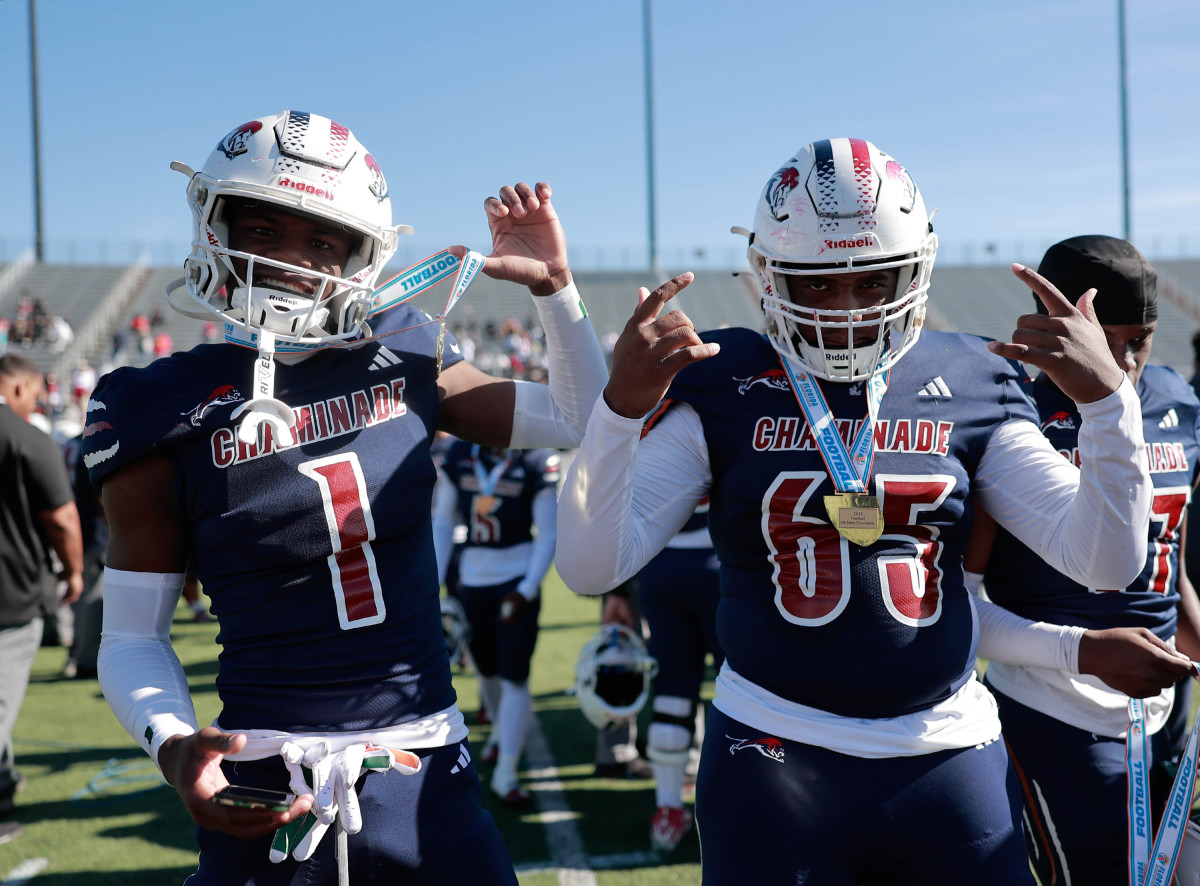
1067, 344
528, 245
651, 351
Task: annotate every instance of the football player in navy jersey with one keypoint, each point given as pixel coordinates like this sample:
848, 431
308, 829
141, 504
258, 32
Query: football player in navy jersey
849, 740
679, 590
1062, 691
508, 500
295, 476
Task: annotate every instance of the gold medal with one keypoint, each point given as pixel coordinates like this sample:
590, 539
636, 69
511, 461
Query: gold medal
856, 516
484, 504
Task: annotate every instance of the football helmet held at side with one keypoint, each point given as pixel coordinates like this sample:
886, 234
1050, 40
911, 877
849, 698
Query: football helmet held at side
842, 206
612, 676
455, 629
302, 164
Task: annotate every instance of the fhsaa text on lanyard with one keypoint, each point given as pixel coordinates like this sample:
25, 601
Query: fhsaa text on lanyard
1154, 866
853, 512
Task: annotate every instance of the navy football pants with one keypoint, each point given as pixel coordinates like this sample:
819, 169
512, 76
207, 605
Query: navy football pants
778, 811
1076, 794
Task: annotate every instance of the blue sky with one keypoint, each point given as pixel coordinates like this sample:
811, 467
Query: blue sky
1005, 114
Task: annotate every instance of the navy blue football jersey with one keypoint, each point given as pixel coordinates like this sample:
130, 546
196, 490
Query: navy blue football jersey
318, 557
1020, 581
872, 631
495, 491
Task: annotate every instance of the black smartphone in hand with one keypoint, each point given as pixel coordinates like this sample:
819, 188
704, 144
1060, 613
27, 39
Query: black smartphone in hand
254, 798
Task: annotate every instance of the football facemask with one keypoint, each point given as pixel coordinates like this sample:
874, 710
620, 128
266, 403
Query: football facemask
842, 206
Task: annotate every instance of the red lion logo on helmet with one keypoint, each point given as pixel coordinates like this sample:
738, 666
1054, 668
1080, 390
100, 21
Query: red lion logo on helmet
781, 184
378, 182
236, 142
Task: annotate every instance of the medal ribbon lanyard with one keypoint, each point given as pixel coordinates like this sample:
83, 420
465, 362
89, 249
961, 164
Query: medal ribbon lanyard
263, 408
1154, 866
850, 470
487, 481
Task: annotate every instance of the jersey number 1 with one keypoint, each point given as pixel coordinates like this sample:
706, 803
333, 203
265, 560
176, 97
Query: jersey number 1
356, 588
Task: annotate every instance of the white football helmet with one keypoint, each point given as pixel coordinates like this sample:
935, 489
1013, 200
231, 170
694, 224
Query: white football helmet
842, 206
612, 676
302, 163
455, 629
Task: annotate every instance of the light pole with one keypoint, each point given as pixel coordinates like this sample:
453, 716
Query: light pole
1124, 120
37, 142
651, 233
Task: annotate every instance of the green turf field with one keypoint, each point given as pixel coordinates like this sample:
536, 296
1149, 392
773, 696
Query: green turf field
95, 810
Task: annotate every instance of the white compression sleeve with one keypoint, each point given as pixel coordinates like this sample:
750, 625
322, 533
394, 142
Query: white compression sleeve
554, 416
545, 519
624, 498
1007, 637
445, 504
1089, 523
140, 675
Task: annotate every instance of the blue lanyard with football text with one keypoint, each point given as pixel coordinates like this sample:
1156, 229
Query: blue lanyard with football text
264, 408
488, 481
1154, 866
853, 512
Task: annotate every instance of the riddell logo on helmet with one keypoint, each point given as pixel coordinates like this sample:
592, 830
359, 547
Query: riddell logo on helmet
850, 243
306, 188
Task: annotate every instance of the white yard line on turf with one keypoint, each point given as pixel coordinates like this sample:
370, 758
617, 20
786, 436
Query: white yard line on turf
25, 871
567, 852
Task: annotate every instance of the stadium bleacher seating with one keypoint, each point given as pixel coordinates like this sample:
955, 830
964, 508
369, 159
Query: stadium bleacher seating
98, 300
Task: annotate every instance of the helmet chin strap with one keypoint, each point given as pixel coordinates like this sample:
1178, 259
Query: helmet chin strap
263, 408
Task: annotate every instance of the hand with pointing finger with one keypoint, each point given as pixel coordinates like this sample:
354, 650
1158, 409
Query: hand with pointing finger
652, 349
1068, 344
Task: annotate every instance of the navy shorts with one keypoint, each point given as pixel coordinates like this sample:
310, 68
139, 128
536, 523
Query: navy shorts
427, 828
771, 810
679, 591
500, 649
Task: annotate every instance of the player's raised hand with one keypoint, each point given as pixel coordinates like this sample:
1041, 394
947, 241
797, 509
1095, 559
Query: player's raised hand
1131, 660
528, 244
651, 350
1068, 343
192, 765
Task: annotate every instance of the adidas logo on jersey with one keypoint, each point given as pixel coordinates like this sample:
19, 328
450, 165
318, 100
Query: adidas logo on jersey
464, 757
1170, 420
935, 388
384, 360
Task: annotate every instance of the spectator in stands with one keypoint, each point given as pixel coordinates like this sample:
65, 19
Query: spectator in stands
59, 333
83, 379
163, 344
37, 513
3, 336
140, 326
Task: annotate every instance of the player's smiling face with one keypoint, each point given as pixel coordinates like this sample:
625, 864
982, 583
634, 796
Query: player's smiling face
304, 241
856, 292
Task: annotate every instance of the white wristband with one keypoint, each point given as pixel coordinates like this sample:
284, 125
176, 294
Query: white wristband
139, 673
